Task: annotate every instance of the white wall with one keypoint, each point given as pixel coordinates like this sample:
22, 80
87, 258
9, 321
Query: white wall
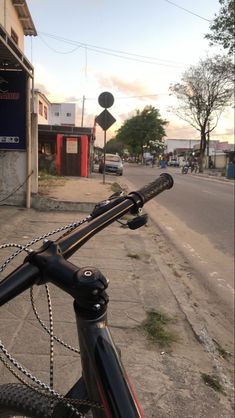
13, 163
9, 20
62, 114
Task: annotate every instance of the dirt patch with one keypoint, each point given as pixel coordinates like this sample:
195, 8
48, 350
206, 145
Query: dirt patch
47, 182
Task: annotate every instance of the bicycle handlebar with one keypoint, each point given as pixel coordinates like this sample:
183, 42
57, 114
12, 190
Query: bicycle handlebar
28, 274
165, 181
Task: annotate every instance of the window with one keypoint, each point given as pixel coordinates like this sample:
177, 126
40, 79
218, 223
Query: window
14, 36
45, 112
68, 114
57, 114
40, 108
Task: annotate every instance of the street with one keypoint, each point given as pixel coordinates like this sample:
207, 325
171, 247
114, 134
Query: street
205, 206
198, 216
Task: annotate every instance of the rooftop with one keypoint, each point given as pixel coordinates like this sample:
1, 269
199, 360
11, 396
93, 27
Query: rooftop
25, 17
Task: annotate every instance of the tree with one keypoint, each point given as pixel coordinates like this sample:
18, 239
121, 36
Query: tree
223, 28
204, 92
142, 130
113, 146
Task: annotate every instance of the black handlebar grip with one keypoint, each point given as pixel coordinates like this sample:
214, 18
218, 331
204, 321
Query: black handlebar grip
165, 181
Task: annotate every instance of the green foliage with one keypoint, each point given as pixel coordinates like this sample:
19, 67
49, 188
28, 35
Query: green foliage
144, 129
116, 188
155, 326
223, 28
114, 146
213, 382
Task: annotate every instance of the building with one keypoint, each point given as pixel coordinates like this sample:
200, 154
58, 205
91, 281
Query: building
66, 150
63, 148
186, 144
41, 107
18, 142
62, 114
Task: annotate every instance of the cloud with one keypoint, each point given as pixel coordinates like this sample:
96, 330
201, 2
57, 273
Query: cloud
42, 88
129, 88
177, 131
72, 99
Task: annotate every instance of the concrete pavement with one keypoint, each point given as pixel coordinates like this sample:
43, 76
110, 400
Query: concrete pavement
167, 380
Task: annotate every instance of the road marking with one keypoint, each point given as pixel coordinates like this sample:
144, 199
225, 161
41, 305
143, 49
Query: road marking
169, 228
219, 280
214, 273
194, 253
207, 191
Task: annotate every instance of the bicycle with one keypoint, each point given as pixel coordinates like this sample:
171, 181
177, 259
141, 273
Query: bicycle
104, 388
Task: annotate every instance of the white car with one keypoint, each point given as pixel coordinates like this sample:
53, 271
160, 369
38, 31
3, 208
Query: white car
113, 164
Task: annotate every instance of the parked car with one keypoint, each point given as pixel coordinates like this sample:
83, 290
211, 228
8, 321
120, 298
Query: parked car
173, 163
113, 164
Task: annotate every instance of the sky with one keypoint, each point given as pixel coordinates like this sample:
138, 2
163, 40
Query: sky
133, 49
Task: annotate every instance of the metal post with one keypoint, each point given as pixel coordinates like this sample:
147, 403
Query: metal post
83, 106
104, 155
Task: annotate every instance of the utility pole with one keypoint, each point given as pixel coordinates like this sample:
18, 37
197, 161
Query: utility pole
83, 107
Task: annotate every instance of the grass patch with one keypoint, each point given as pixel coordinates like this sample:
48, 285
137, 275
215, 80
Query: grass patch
155, 327
222, 352
213, 382
115, 187
133, 255
46, 180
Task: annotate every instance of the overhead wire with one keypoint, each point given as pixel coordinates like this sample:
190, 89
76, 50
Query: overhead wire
187, 10
133, 97
116, 53
58, 52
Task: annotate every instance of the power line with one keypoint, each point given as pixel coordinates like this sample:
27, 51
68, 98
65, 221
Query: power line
117, 53
186, 10
133, 97
55, 50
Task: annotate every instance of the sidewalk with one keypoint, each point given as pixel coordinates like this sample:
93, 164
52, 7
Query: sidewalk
77, 193
167, 380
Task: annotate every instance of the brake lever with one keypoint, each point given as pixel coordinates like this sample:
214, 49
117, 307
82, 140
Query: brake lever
138, 221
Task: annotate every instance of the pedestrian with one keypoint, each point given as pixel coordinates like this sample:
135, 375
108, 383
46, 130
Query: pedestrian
211, 165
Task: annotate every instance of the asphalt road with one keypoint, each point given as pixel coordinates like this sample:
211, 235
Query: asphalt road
197, 214
204, 205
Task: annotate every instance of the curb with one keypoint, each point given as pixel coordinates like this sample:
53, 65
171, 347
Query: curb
45, 204
194, 319
213, 177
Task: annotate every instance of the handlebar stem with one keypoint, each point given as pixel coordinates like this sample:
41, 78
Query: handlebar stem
86, 285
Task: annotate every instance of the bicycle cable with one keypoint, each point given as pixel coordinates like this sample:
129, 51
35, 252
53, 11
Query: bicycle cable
51, 393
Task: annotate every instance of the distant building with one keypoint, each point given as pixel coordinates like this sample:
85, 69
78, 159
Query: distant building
62, 114
41, 107
174, 144
63, 148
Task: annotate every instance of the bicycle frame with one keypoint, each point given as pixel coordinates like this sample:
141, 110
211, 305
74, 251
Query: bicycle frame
103, 372
104, 379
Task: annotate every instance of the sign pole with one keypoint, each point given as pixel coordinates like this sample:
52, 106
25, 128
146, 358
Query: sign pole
104, 155
105, 119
